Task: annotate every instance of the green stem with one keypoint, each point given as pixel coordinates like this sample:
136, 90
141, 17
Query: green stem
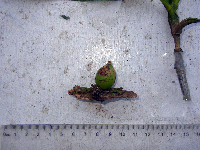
171, 7
184, 23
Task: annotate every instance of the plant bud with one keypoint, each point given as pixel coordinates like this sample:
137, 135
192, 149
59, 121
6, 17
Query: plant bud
105, 77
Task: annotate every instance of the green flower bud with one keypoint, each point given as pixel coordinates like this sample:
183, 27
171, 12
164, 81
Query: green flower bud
105, 77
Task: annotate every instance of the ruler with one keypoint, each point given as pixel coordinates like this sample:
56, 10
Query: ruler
100, 137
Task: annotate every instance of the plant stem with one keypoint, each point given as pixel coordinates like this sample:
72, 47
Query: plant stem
176, 30
179, 63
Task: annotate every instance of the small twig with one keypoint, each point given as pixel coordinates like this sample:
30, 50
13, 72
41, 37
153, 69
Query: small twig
95, 93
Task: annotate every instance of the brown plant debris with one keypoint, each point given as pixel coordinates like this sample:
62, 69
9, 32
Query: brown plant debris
95, 93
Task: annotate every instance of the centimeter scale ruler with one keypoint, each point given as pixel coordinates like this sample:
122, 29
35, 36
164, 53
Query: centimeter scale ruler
100, 136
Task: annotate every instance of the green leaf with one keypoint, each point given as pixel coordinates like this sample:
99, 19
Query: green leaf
176, 3
169, 1
166, 4
171, 6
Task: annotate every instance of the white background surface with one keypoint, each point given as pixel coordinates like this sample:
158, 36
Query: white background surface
43, 56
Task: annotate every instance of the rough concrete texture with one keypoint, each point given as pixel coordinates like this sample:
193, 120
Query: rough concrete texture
43, 56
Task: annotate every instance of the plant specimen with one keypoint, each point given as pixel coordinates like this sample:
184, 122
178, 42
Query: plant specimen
176, 30
102, 90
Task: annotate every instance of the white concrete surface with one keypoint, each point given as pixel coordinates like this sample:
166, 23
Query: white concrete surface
43, 56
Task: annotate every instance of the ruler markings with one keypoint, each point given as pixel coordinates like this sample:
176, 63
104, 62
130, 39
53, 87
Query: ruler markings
90, 136
47, 127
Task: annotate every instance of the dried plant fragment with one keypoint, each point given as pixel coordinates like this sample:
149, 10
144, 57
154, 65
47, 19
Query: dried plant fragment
96, 93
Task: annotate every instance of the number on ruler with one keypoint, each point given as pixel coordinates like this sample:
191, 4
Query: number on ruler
110, 133
135, 134
122, 133
172, 134
147, 134
186, 134
97, 134
61, 134
161, 134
